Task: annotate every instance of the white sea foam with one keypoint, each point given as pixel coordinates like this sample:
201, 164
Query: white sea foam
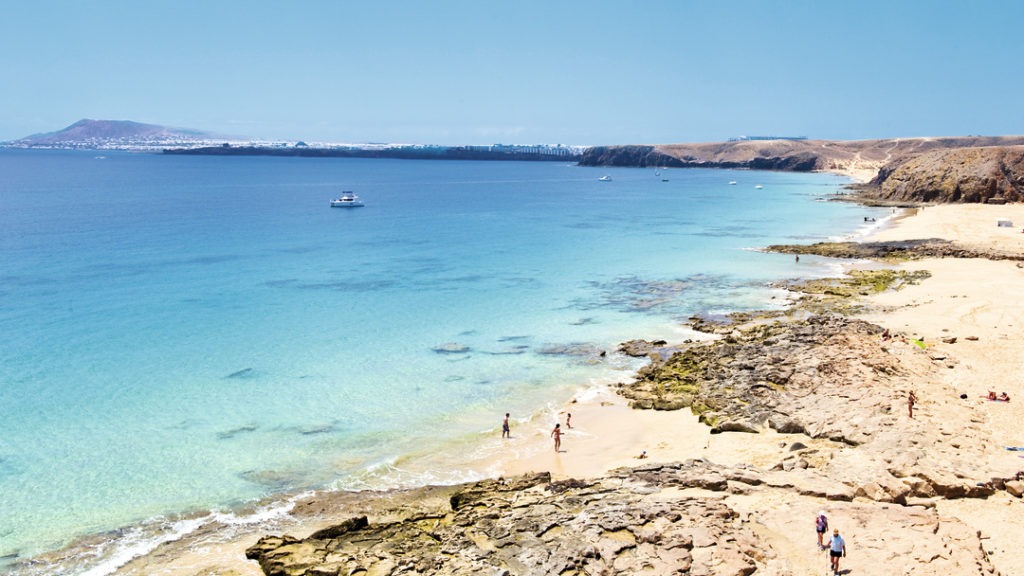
107, 556
138, 542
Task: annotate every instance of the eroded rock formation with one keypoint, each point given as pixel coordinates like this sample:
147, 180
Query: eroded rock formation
956, 175
791, 155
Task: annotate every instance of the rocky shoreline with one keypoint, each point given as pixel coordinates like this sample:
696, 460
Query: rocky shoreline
895, 171
830, 389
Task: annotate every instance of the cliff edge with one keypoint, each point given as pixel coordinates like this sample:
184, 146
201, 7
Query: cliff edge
987, 174
954, 169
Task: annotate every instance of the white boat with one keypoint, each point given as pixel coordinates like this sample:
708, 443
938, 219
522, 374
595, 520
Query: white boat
605, 178
732, 182
347, 200
758, 187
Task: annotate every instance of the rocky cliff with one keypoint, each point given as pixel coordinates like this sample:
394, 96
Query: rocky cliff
707, 156
983, 174
861, 158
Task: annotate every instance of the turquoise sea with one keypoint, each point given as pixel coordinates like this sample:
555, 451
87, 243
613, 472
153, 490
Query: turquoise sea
181, 333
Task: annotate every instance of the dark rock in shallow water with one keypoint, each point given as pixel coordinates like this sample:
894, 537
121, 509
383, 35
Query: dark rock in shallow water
510, 351
573, 349
451, 348
277, 480
641, 348
316, 429
227, 434
243, 373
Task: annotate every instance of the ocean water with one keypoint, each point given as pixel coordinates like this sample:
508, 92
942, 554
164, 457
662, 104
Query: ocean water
180, 334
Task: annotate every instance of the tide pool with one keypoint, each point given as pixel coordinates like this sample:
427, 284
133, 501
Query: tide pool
181, 334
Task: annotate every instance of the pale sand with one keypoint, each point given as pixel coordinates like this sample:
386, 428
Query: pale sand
607, 434
963, 298
858, 172
983, 299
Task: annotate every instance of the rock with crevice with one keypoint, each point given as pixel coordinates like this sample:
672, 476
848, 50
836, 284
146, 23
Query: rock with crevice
518, 527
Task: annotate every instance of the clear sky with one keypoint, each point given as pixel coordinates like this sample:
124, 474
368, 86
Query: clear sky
517, 71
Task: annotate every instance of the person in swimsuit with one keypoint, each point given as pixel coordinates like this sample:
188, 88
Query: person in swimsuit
504, 427
557, 435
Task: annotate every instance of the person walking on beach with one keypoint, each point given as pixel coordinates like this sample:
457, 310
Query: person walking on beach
557, 435
836, 550
568, 420
504, 427
911, 400
821, 526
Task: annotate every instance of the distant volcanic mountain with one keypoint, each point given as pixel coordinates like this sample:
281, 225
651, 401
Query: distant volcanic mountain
113, 134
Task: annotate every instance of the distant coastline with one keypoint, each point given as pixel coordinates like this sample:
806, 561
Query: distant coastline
892, 171
519, 153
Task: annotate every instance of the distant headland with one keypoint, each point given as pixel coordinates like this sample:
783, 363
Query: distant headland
899, 170
400, 151
90, 134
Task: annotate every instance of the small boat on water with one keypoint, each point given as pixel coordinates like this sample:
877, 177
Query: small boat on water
758, 187
732, 182
347, 200
605, 178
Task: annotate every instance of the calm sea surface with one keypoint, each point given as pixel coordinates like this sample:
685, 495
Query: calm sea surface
189, 333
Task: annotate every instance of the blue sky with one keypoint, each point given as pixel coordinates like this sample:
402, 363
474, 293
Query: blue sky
524, 71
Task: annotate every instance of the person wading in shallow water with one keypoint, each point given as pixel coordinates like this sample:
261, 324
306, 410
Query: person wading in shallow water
505, 433
557, 435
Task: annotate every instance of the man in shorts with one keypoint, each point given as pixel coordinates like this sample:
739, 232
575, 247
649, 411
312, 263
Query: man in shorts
505, 433
836, 550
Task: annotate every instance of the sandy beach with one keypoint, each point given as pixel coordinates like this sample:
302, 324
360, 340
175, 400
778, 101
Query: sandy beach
971, 300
